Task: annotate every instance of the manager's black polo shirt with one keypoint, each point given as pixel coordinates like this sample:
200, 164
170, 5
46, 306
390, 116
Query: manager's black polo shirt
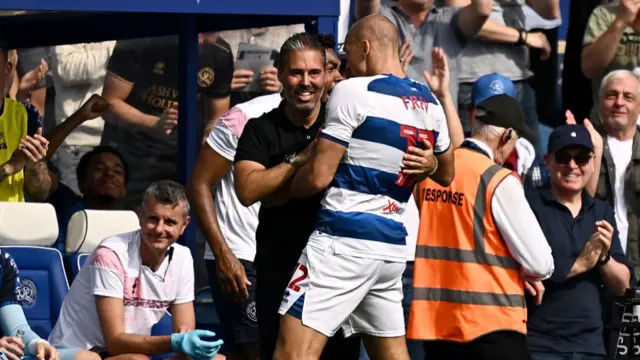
569, 320
282, 231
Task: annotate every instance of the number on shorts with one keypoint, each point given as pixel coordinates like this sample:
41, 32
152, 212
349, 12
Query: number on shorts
412, 135
293, 285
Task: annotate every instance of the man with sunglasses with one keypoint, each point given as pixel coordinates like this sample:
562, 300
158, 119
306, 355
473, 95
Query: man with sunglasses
586, 249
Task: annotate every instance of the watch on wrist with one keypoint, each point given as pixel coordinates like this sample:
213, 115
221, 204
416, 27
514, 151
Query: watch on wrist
522, 37
606, 259
291, 159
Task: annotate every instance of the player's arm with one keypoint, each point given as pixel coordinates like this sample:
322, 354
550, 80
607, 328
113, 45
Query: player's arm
253, 181
12, 318
108, 290
318, 172
443, 151
342, 120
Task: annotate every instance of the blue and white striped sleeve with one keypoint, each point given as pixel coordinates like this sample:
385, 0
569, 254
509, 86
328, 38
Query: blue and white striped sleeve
342, 115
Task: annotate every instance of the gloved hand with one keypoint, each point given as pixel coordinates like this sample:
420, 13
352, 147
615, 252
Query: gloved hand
196, 344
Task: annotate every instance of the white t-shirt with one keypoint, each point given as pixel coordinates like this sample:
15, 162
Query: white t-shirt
621, 152
237, 223
115, 270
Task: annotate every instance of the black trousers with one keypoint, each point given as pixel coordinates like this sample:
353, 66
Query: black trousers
272, 282
499, 345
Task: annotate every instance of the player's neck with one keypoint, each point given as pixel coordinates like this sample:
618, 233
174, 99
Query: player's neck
387, 64
304, 118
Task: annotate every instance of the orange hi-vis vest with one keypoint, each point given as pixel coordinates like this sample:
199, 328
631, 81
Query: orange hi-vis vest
466, 283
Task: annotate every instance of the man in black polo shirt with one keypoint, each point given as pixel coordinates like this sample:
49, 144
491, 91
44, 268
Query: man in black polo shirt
586, 251
270, 150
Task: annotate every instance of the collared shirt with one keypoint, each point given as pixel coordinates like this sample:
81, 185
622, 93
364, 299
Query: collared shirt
570, 316
517, 223
283, 231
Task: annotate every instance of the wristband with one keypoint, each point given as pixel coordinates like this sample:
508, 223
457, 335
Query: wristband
522, 37
606, 259
435, 168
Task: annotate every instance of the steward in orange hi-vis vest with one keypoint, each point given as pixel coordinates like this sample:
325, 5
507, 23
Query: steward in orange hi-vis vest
466, 283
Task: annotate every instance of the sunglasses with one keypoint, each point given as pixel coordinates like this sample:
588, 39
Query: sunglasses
581, 158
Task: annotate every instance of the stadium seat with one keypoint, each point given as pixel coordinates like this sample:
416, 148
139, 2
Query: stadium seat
27, 230
163, 327
87, 228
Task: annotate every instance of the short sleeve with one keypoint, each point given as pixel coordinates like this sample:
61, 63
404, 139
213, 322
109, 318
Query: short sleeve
342, 113
253, 144
10, 280
34, 119
224, 137
598, 23
186, 288
107, 274
216, 73
443, 141
125, 60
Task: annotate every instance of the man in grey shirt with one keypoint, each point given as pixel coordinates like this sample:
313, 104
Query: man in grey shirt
426, 26
502, 46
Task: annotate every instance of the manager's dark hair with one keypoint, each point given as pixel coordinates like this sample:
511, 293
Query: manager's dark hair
301, 41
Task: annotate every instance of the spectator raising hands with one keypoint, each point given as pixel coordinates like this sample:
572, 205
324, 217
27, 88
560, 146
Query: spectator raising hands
34, 148
406, 54
31, 80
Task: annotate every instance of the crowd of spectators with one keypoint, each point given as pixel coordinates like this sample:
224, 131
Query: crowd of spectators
94, 125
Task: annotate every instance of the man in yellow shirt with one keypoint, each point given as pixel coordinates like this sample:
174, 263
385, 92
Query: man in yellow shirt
22, 147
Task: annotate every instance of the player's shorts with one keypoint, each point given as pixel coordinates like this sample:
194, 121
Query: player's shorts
361, 295
238, 319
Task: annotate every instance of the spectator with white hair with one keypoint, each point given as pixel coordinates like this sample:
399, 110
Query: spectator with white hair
617, 155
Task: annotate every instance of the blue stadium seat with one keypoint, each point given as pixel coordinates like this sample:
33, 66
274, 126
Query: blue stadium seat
163, 327
43, 285
87, 228
27, 230
77, 261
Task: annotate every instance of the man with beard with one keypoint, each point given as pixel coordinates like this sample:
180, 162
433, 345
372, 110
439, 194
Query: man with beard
230, 227
270, 150
383, 133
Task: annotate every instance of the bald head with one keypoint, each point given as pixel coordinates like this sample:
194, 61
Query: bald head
372, 47
376, 29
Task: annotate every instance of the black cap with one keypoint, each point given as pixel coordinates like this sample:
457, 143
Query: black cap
504, 111
569, 135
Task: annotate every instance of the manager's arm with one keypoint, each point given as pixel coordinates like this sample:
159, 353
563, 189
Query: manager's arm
253, 181
520, 230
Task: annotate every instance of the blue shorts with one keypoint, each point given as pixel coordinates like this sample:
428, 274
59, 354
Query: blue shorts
238, 320
65, 354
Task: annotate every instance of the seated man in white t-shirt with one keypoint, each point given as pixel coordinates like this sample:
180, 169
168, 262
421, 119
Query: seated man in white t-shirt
128, 284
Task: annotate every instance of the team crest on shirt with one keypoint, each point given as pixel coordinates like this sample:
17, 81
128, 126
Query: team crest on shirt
159, 68
27, 293
206, 76
251, 311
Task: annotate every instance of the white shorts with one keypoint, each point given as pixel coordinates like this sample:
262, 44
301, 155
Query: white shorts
361, 295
